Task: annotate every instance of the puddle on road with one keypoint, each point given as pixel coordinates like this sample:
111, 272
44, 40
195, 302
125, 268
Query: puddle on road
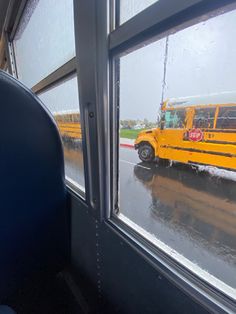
191, 211
197, 203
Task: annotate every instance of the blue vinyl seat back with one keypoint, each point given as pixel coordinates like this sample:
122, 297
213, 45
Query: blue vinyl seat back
32, 192
4, 309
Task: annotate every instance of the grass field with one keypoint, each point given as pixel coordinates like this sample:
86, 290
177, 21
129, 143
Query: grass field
131, 134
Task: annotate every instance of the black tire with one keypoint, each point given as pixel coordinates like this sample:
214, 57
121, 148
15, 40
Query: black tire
146, 153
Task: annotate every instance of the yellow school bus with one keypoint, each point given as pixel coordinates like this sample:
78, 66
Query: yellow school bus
69, 124
196, 130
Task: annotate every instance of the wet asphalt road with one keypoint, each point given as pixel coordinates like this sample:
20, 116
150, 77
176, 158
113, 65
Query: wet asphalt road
193, 213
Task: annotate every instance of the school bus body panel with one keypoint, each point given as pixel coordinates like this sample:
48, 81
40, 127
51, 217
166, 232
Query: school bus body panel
217, 147
172, 146
69, 125
70, 130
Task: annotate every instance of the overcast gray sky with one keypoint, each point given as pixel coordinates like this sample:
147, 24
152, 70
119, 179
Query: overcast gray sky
200, 60
45, 39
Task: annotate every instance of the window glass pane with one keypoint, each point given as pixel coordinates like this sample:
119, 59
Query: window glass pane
129, 8
177, 174
44, 40
204, 118
174, 119
226, 118
63, 103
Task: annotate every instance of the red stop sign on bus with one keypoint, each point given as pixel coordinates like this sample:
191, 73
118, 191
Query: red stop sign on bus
195, 135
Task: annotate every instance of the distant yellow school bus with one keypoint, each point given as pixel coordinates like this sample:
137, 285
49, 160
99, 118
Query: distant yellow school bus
69, 124
196, 130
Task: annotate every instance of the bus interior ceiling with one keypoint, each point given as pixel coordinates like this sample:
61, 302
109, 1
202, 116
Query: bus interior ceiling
86, 227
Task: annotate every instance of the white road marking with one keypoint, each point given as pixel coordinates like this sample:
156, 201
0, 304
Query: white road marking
131, 163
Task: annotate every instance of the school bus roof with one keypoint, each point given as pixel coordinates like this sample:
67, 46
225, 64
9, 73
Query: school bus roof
228, 97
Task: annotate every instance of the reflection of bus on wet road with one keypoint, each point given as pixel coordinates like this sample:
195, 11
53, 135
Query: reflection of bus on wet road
199, 130
69, 124
204, 207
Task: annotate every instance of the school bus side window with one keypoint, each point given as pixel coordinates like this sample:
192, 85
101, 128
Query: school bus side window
174, 119
226, 118
204, 118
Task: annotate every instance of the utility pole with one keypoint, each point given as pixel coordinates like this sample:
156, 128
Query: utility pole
164, 74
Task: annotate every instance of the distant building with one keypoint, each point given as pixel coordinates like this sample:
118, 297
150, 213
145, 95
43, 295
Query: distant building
139, 126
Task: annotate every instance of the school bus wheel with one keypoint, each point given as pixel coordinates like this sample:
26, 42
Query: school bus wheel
146, 152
